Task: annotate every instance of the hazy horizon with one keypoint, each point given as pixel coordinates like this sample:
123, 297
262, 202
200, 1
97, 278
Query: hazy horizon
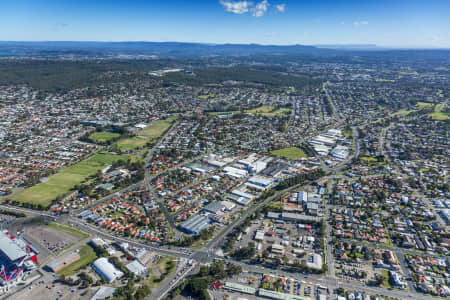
391, 24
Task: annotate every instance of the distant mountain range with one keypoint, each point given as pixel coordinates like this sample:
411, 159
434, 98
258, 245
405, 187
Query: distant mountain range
177, 49
158, 48
351, 47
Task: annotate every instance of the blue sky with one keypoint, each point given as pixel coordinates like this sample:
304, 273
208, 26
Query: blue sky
398, 23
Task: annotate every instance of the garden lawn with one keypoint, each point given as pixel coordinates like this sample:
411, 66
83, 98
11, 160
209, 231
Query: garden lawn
290, 153
61, 183
87, 257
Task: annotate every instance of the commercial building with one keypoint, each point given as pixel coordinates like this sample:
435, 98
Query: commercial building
340, 152
195, 224
396, 278
260, 181
228, 205
278, 295
240, 288
106, 269
278, 249
103, 293
235, 172
214, 207
314, 261
59, 263
136, 268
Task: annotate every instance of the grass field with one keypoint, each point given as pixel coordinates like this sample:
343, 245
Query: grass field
61, 183
87, 255
103, 137
438, 113
290, 153
214, 113
384, 80
147, 135
371, 162
268, 111
422, 105
265, 110
386, 282
212, 96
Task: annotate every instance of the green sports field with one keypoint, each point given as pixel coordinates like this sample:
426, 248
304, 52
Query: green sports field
290, 153
61, 183
147, 135
438, 114
265, 110
103, 137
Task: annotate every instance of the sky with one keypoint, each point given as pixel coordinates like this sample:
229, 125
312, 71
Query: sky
390, 23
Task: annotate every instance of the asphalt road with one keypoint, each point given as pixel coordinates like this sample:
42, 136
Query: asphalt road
207, 254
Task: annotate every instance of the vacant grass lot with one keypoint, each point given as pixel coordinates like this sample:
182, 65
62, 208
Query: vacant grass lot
103, 137
290, 153
87, 255
61, 183
147, 135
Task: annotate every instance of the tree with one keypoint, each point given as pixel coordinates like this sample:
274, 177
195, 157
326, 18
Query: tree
379, 279
196, 286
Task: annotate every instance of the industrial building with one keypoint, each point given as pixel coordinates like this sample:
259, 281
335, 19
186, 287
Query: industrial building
260, 181
59, 263
214, 207
106, 269
195, 224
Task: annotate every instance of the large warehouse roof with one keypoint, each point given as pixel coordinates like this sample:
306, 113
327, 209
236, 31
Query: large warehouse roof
10, 247
107, 269
195, 224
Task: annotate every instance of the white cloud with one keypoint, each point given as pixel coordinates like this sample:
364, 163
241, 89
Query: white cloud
260, 8
242, 7
357, 23
280, 7
236, 7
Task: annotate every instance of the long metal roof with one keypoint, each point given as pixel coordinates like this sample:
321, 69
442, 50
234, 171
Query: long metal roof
10, 247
